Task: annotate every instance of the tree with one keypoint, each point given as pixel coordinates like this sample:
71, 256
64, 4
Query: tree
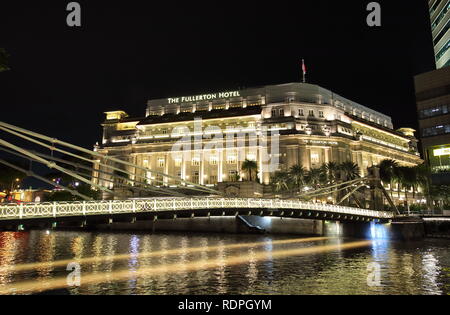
279, 181
349, 170
331, 172
249, 167
3, 60
315, 177
388, 172
297, 173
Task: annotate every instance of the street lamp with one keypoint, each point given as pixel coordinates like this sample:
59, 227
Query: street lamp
12, 183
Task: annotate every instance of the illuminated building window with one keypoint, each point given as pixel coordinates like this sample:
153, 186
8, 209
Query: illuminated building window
178, 162
218, 107
439, 158
231, 159
315, 158
434, 111
213, 160
213, 179
196, 161
281, 112
251, 157
321, 114
161, 162
235, 105
195, 177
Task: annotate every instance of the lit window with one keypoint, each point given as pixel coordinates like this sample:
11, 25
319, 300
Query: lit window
231, 159
315, 158
321, 114
196, 161
195, 177
281, 112
178, 162
161, 162
213, 160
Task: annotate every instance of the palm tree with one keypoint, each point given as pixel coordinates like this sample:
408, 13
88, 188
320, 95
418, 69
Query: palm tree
315, 177
349, 170
3, 60
249, 167
297, 173
279, 181
407, 179
388, 172
331, 172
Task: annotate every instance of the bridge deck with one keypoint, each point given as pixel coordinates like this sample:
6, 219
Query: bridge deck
98, 208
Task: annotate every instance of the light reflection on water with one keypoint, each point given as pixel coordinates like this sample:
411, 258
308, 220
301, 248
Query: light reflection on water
406, 268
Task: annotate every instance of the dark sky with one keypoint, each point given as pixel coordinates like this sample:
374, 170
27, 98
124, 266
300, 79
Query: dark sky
63, 79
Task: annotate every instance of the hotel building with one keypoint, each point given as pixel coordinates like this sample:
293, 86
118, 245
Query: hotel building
306, 125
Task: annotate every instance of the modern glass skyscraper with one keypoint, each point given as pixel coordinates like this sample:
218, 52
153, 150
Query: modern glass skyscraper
440, 23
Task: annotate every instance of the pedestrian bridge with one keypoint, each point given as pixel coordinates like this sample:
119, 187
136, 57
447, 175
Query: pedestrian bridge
188, 207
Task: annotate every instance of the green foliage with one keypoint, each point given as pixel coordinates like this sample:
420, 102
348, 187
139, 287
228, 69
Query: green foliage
250, 167
3, 60
67, 196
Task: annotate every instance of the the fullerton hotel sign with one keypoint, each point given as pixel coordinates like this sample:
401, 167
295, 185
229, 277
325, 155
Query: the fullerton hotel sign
204, 97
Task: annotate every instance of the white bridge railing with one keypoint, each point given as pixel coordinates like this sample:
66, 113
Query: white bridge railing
90, 208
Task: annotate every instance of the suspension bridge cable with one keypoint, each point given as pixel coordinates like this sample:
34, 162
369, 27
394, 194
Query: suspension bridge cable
52, 165
146, 188
66, 144
93, 161
45, 180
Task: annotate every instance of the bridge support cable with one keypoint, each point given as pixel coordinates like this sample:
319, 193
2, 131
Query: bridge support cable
45, 180
94, 162
350, 194
145, 187
9, 128
313, 194
52, 165
337, 185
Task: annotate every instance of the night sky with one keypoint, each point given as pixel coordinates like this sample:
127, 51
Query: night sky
62, 79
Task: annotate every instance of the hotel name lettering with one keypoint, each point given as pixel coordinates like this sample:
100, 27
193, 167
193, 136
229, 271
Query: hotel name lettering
204, 97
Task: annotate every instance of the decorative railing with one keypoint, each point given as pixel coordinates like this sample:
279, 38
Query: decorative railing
91, 208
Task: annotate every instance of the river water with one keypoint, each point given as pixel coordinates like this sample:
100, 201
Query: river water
221, 264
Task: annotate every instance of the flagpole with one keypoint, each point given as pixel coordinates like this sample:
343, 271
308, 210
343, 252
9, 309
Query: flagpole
304, 70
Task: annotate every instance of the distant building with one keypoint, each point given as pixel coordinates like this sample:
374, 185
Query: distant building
433, 104
433, 97
440, 24
315, 126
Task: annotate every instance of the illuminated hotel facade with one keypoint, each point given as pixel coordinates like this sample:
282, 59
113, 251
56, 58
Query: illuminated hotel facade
306, 124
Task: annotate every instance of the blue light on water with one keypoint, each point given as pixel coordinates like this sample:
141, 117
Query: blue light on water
378, 231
